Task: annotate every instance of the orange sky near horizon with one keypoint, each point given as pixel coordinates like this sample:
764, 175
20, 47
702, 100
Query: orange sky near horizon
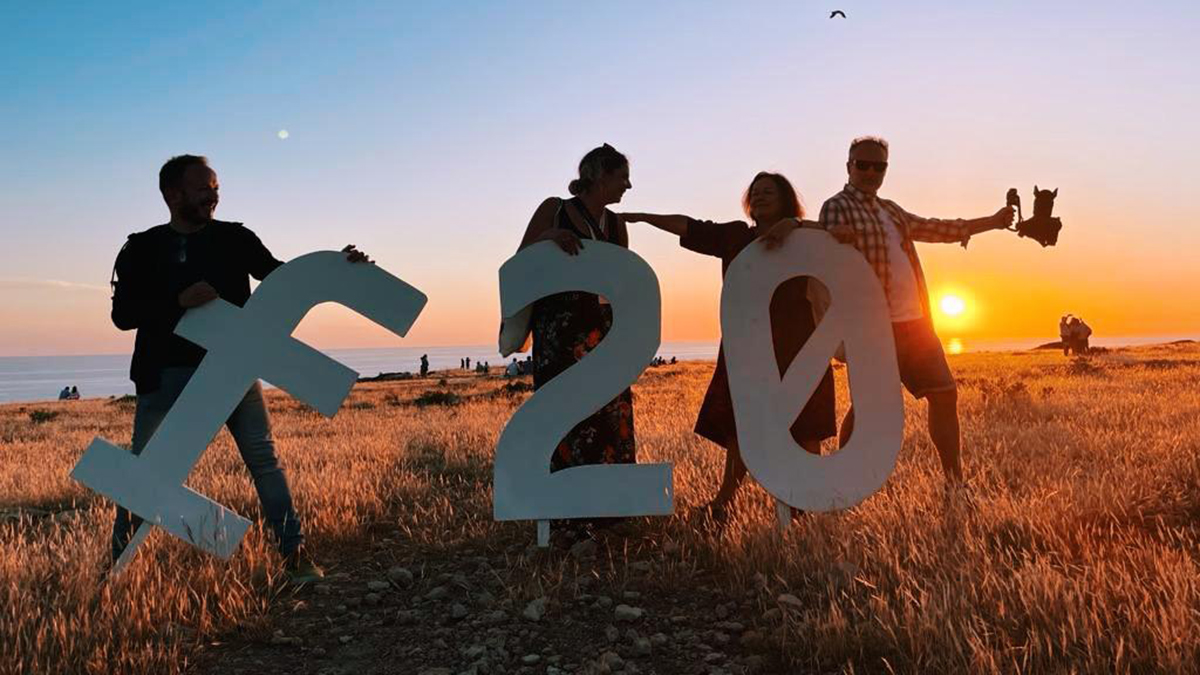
1012, 287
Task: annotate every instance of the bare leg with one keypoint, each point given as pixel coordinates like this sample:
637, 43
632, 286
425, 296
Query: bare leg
943, 431
735, 472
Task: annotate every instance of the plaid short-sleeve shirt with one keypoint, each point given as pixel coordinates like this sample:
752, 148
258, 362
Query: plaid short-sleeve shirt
856, 208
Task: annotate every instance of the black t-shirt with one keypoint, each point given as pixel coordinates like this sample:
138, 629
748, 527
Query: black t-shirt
156, 265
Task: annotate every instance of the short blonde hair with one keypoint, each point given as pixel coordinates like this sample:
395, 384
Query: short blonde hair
877, 140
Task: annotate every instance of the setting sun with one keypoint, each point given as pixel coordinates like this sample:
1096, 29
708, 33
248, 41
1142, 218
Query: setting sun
952, 305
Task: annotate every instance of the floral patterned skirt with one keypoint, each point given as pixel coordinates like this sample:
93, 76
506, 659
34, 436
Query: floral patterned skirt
566, 326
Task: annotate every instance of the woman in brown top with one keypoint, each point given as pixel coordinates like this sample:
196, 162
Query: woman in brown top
769, 200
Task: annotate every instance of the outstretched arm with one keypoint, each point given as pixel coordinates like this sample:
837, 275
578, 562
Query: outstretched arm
702, 236
937, 230
676, 225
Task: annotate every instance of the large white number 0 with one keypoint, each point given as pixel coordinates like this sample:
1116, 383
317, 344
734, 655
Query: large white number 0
765, 406
524, 487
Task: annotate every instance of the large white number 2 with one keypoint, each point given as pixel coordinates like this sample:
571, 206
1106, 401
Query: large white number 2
524, 488
765, 406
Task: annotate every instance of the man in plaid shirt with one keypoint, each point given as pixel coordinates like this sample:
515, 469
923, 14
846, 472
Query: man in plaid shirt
885, 233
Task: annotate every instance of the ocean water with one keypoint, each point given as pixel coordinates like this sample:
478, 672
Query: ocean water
39, 378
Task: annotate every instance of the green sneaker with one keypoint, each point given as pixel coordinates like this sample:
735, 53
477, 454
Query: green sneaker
300, 569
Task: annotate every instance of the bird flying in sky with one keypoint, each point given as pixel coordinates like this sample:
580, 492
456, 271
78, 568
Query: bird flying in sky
837, 12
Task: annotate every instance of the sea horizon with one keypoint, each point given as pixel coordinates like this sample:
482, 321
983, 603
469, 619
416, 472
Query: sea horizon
31, 379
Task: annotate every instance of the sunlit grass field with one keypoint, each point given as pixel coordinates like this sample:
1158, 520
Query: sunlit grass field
1081, 554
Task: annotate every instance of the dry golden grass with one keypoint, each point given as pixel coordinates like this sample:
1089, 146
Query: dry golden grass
1081, 555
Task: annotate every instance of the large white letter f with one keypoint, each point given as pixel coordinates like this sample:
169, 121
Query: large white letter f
242, 345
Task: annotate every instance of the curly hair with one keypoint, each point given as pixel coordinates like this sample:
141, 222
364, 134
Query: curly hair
792, 207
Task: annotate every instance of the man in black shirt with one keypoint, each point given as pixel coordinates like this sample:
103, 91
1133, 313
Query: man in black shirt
159, 275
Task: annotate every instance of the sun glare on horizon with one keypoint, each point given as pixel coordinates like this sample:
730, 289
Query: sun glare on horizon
952, 305
955, 311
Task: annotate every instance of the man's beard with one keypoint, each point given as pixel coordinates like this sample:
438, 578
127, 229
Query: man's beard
200, 213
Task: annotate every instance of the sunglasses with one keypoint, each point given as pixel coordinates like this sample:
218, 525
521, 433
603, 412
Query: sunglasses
864, 164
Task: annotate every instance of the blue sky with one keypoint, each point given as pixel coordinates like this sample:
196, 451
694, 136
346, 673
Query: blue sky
426, 133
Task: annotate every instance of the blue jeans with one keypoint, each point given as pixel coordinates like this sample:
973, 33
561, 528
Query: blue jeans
251, 429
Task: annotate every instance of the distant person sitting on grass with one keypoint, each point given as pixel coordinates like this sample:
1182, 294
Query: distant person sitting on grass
162, 273
64, 394
74, 395
513, 369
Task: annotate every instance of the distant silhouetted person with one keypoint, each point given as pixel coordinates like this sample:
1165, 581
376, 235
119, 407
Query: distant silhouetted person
74, 395
513, 369
1082, 335
424, 365
1077, 336
1064, 333
468, 363
64, 394
673, 360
